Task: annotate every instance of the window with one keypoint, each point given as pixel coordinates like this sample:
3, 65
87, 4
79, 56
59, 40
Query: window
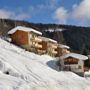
70, 60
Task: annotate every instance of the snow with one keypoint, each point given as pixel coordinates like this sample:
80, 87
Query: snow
50, 30
64, 46
52, 40
28, 71
48, 39
24, 29
75, 55
60, 29
57, 29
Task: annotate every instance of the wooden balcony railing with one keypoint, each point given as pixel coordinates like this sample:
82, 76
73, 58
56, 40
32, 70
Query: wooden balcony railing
53, 46
86, 69
55, 52
37, 45
36, 39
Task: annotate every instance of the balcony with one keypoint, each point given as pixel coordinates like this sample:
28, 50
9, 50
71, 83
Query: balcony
36, 39
54, 46
55, 52
86, 69
67, 51
36, 45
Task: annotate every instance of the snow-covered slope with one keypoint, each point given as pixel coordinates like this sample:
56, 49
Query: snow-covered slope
22, 70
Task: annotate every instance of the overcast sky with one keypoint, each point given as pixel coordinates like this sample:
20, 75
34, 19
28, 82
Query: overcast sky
72, 12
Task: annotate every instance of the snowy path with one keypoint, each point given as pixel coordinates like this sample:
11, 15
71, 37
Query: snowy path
28, 71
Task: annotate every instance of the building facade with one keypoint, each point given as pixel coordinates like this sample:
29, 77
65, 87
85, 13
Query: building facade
62, 49
73, 62
49, 46
32, 40
27, 38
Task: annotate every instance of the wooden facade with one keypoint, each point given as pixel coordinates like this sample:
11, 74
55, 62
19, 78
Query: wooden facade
62, 51
73, 64
59, 50
20, 37
49, 46
44, 47
27, 40
51, 49
31, 41
70, 60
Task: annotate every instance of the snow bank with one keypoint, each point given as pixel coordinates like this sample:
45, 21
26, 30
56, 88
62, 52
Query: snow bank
22, 70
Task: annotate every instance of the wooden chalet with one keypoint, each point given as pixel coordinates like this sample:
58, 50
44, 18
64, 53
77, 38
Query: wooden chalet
49, 46
27, 38
73, 62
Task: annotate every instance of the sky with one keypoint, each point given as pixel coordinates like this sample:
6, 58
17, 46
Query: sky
71, 12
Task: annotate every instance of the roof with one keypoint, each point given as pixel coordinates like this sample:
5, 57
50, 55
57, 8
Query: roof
48, 39
63, 46
78, 56
52, 40
24, 29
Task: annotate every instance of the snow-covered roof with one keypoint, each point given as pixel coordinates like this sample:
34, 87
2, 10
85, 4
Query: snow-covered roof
63, 46
24, 29
75, 55
52, 40
48, 39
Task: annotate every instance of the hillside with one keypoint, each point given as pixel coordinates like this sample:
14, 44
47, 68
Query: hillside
22, 70
78, 38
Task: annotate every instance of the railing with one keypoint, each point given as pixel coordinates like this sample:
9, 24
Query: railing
54, 52
36, 39
67, 51
86, 69
53, 46
37, 45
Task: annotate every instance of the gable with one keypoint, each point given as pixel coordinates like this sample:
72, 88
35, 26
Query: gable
71, 60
